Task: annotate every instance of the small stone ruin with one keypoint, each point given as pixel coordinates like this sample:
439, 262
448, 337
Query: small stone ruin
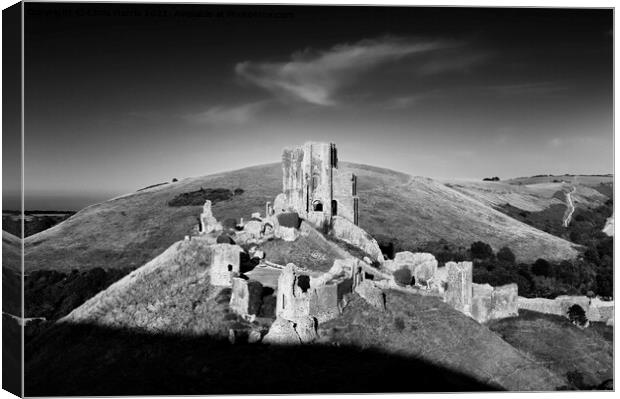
225, 263
246, 296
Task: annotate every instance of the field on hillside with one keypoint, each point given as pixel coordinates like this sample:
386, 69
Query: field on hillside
128, 231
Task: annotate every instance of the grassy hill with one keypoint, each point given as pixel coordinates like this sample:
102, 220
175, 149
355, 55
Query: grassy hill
541, 201
128, 231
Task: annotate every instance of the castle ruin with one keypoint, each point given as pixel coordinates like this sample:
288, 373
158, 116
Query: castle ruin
315, 188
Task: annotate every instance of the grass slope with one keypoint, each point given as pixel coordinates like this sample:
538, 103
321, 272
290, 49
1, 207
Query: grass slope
11, 251
585, 357
531, 197
11, 274
426, 328
129, 230
171, 294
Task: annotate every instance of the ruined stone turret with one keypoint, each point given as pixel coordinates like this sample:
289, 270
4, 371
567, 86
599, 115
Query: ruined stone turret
314, 187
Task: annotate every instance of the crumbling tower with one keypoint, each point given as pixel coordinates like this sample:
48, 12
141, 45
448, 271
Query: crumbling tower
314, 186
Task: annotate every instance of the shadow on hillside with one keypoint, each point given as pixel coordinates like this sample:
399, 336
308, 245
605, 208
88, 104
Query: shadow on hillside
89, 360
11, 355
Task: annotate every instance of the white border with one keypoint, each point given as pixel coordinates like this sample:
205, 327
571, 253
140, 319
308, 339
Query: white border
497, 3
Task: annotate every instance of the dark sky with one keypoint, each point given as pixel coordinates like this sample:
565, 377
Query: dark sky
121, 97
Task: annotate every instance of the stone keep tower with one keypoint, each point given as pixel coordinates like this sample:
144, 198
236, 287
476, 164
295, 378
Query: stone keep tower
315, 188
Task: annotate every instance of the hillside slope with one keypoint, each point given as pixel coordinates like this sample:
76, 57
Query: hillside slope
130, 230
170, 294
425, 327
11, 251
582, 356
11, 274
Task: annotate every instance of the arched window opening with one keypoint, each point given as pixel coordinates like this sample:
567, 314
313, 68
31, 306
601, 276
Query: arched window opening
303, 282
334, 207
317, 206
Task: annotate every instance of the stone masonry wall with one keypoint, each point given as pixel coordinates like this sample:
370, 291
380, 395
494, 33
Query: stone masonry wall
312, 183
459, 291
225, 260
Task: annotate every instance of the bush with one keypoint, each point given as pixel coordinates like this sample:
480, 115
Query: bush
199, 197
541, 268
239, 191
506, 255
174, 180
481, 250
402, 277
577, 315
289, 219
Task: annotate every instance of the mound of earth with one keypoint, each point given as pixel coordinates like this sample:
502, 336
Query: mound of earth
583, 357
130, 230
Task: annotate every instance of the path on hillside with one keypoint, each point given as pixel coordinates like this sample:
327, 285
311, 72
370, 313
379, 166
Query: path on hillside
571, 207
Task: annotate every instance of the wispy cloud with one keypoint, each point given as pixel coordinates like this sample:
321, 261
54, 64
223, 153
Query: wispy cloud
529, 88
315, 77
226, 115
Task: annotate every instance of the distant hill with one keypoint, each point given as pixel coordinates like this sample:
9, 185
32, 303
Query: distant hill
128, 231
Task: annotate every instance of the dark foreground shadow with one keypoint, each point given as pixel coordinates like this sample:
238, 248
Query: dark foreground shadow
87, 360
11, 355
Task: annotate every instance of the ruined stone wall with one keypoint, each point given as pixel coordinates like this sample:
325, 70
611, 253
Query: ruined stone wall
246, 296
225, 261
312, 184
345, 230
299, 297
293, 178
596, 310
459, 289
490, 303
208, 222
344, 195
